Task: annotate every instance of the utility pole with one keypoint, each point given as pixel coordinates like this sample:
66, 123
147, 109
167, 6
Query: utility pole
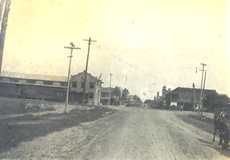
202, 87
4, 13
71, 47
203, 92
205, 74
193, 95
110, 88
84, 100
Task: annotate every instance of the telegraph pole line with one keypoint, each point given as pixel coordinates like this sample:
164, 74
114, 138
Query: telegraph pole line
71, 48
110, 87
203, 93
86, 68
4, 13
205, 74
202, 86
193, 95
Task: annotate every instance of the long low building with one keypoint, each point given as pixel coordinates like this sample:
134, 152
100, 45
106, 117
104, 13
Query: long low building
51, 87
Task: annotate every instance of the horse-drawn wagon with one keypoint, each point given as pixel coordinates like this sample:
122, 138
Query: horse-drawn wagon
222, 126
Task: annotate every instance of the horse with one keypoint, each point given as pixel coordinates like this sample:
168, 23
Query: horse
221, 128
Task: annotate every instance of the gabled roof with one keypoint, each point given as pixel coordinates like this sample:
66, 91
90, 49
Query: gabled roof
82, 73
88, 74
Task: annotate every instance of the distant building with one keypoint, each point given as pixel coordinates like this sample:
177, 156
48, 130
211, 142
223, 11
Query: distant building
189, 97
134, 100
106, 95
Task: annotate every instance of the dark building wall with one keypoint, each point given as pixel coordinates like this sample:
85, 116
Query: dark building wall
42, 92
36, 92
9, 90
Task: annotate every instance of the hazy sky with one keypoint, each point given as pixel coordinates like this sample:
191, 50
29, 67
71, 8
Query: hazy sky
145, 43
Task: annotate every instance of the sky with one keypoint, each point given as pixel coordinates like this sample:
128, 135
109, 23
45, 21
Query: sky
145, 44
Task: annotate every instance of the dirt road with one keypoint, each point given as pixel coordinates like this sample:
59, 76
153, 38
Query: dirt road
129, 134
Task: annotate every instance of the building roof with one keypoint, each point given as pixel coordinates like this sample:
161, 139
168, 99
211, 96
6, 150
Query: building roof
81, 73
184, 89
33, 76
15, 75
89, 74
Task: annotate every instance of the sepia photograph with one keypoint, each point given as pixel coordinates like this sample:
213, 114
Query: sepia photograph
114, 80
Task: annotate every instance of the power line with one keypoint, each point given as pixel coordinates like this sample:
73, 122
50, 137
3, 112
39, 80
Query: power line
71, 47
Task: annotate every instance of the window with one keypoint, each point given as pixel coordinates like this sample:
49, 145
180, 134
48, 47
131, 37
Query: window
91, 85
91, 95
63, 84
48, 82
31, 81
82, 84
105, 94
14, 80
74, 84
6, 79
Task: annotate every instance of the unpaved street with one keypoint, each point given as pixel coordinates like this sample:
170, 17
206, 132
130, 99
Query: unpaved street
128, 134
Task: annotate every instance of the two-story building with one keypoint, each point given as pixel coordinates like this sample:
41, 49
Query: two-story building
93, 87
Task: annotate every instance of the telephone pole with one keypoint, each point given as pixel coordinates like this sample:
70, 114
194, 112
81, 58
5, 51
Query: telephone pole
4, 13
202, 86
203, 93
84, 100
193, 96
71, 47
110, 87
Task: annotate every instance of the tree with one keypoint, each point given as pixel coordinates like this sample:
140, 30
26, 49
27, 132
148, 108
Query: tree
125, 93
215, 101
137, 99
117, 92
116, 96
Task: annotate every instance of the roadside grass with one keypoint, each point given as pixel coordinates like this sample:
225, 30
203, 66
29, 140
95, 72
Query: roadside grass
204, 123
25, 126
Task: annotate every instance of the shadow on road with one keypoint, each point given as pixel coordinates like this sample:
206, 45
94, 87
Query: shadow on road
216, 147
205, 124
25, 128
